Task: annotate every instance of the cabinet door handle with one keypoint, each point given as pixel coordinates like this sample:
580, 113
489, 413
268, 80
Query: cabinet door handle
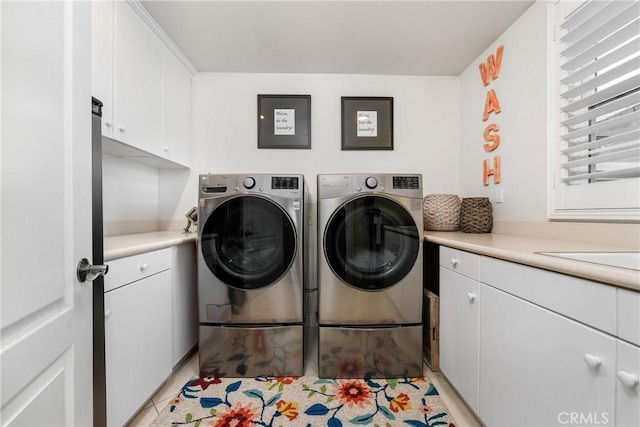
454, 262
107, 313
628, 379
592, 361
121, 128
144, 266
108, 123
471, 296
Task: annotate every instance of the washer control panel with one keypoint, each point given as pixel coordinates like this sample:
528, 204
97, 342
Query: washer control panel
290, 186
285, 183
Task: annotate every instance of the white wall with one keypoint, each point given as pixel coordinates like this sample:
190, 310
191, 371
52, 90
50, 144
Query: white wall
437, 132
224, 131
130, 194
522, 89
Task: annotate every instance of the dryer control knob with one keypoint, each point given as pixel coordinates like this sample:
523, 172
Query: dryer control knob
371, 182
249, 183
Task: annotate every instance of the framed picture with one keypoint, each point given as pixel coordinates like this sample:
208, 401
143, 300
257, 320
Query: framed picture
367, 123
284, 121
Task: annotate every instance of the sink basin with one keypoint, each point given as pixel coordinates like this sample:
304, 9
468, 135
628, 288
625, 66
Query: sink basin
630, 260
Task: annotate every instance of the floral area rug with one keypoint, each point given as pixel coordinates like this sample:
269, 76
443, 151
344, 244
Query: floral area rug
305, 401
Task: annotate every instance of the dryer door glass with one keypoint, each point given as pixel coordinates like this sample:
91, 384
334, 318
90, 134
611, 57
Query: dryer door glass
371, 242
248, 242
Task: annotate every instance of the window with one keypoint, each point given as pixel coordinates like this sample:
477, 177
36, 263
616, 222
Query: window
596, 143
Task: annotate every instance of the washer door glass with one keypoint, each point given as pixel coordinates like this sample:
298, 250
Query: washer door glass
371, 242
248, 242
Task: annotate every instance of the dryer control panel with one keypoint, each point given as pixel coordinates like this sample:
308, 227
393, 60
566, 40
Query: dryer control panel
337, 185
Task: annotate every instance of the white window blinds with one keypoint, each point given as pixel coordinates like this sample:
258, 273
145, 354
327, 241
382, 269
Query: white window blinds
598, 137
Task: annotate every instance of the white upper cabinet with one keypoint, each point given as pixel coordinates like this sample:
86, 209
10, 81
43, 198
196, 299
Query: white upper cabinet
176, 109
145, 89
137, 81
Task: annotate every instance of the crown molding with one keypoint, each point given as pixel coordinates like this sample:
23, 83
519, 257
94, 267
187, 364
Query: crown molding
158, 31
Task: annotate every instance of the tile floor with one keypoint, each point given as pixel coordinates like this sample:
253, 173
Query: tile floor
189, 369
170, 389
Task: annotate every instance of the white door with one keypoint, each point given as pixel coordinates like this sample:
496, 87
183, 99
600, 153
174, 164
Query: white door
45, 220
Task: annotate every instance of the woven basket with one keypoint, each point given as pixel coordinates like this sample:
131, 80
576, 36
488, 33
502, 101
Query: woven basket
441, 212
476, 215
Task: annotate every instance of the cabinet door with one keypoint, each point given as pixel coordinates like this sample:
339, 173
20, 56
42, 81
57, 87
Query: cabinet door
102, 60
176, 109
539, 369
627, 387
184, 300
629, 315
137, 344
459, 333
138, 81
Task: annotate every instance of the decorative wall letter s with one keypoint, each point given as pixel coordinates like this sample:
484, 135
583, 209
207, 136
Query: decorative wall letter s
491, 137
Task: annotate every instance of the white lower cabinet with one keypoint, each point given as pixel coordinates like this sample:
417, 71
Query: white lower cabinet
138, 322
541, 369
527, 347
459, 333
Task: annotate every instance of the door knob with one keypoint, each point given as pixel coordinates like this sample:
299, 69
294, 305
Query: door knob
86, 271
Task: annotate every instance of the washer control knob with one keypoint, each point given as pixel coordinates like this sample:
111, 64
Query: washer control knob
249, 183
371, 182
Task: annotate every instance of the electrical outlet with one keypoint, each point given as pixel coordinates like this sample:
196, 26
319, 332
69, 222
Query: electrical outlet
499, 195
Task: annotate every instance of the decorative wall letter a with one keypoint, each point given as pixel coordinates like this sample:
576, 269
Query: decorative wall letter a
491, 105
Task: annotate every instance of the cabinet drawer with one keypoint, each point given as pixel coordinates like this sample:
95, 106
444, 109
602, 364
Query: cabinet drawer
583, 300
459, 261
130, 269
629, 315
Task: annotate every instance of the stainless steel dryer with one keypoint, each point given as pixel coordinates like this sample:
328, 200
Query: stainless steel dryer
370, 275
250, 275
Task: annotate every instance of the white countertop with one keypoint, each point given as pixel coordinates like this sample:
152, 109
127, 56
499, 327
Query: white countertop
132, 244
523, 250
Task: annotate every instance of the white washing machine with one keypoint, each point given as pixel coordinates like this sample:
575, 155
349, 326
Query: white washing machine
370, 275
251, 274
